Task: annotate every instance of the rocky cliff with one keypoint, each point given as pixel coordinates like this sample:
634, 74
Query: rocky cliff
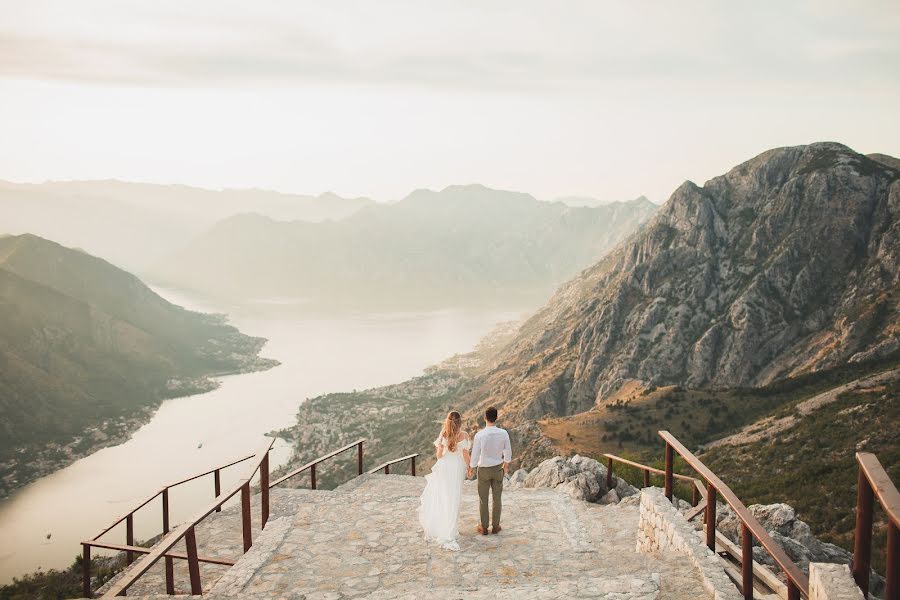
787, 264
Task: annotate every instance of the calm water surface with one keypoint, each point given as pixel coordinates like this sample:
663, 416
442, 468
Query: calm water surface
192, 434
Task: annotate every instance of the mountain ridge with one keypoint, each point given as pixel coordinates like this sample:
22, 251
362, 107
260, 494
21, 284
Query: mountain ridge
87, 351
136, 224
462, 245
640, 311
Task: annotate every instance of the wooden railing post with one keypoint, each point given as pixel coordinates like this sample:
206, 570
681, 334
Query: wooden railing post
892, 568
746, 561
165, 510
190, 540
264, 488
711, 517
793, 590
669, 468
695, 495
129, 537
862, 547
646, 478
245, 515
312, 476
360, 457
609, 473
387, 469
217, 487
169, 563
86, 571
413, 466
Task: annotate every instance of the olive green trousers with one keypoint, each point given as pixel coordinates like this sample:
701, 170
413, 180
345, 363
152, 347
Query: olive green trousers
490, 479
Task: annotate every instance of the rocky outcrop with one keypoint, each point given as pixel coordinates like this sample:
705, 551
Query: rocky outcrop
787, 264
580, 477
792, 534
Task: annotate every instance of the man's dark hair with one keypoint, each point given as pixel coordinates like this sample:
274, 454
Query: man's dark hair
490, 415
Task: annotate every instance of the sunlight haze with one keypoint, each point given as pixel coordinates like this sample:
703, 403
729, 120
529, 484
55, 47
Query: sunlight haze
380, 99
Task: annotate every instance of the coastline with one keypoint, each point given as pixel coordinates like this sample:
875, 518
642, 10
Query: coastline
43, 460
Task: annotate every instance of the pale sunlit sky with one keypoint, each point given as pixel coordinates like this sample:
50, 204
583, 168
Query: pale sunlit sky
607, 99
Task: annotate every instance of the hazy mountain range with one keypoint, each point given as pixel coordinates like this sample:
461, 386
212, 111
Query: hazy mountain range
134, 225
464, 245
85, 345
589, 201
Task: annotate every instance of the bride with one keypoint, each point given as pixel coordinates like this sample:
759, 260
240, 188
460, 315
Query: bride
439, 505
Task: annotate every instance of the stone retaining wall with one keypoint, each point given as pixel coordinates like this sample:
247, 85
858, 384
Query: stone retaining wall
663, 529
832, 582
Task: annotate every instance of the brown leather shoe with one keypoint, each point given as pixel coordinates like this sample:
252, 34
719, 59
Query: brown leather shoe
481, 530
496, 529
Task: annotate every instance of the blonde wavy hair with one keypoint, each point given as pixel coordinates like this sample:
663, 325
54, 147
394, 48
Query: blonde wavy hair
451, 428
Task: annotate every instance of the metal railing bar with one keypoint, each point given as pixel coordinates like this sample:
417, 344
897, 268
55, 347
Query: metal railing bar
199, 475
163, 546
881, 483
391, 462
142, 550
125, 516
791, 570
696, 511
161, 490
315, 462
654, 470
760, 572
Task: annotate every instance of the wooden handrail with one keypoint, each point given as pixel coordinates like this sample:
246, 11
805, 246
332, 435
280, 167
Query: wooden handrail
631, 463
131, 574
873, 482
219, 468
161, 490
798, 582
312, 464
125, 516
387, 466
142, 550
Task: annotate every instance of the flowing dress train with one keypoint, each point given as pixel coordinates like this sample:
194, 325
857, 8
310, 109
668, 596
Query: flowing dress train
439, 504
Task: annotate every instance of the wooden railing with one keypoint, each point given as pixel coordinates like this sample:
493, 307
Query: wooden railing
797, 581
387, 466
130, 549
875, 483
697, 490
311, 466
186, 531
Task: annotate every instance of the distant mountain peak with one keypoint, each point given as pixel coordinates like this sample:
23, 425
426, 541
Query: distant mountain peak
786, 264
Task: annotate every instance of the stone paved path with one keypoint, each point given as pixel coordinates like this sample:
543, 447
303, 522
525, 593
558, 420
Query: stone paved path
363, 540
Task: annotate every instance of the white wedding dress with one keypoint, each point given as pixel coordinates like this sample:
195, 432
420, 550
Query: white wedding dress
439, 505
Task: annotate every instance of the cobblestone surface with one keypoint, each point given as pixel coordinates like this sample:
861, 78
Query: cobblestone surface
363, 541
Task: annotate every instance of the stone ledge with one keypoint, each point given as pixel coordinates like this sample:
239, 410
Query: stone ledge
832, 582
662, 528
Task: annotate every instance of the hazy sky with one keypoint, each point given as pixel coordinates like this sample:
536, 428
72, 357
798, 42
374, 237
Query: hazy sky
377, 98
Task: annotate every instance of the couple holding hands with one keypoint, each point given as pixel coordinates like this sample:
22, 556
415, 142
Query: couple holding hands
489, 458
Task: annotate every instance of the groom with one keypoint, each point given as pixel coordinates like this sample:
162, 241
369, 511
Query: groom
491, 454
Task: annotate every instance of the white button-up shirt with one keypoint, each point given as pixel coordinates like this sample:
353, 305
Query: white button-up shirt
491, 447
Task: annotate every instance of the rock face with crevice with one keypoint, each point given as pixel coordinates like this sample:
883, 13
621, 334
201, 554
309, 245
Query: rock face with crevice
787, 264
